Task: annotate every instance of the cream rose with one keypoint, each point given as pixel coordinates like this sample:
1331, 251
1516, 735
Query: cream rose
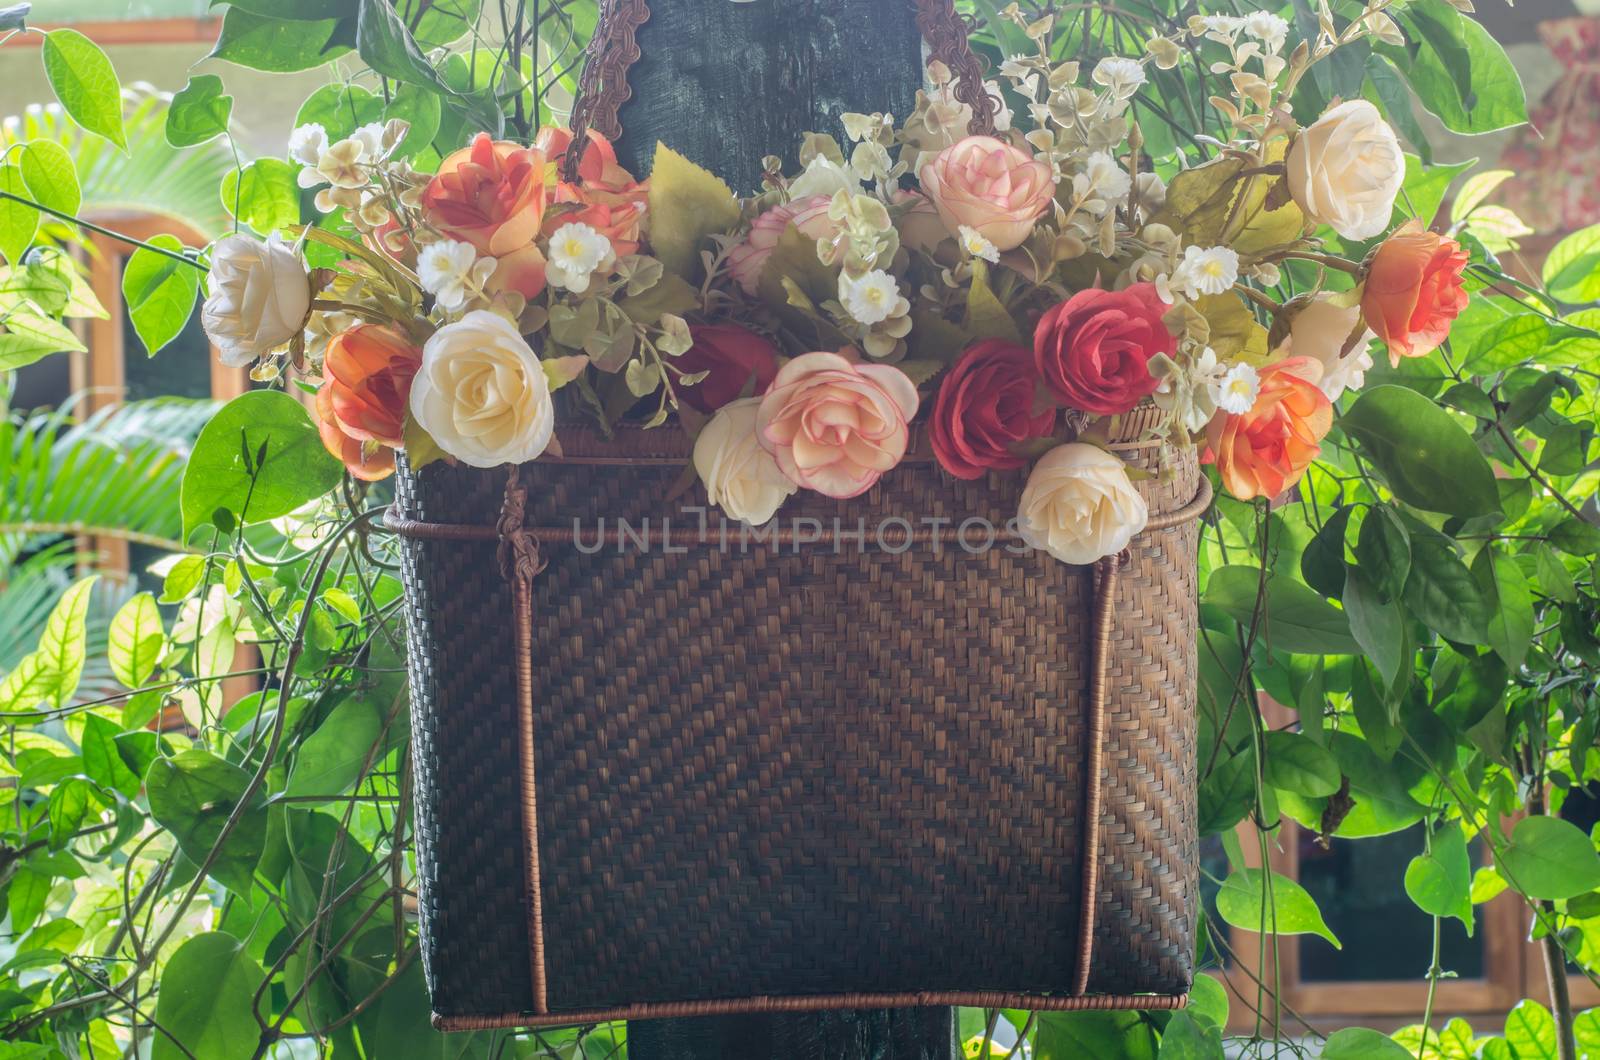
741, 477
836, 426
482, 394
1320, 330
1346, 169
995, 189
257, 297
1079, 504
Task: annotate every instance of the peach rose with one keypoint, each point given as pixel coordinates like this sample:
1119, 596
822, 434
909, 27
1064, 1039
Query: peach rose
361, 407
1413, 290
493, 194
612, 202
1263, 452
991, 187
746, 260
836, 426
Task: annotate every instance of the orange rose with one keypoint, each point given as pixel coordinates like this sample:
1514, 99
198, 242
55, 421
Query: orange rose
361, 407
1263, 452
493, 194
611, 201
1413, 290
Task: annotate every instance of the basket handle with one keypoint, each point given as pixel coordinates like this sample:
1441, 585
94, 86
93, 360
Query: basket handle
614, 48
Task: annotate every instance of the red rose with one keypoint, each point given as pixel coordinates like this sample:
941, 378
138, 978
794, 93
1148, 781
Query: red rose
1093, 350
985, 406
730, 355
1413, 291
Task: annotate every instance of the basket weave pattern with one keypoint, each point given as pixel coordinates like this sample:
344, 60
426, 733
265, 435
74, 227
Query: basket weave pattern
795, 773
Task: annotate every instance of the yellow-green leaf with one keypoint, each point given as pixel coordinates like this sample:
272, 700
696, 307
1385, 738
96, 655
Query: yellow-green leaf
687, 204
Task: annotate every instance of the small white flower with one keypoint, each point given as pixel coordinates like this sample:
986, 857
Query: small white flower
823, 176
452, 272
1102, 181
371, 139
978, 245
1219, 27
307, 143
871, 298
576, 251
1207, 270
1270, 29
1121, 77
1237, 390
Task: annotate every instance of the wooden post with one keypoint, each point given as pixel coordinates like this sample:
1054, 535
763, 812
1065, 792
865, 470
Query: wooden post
725, 83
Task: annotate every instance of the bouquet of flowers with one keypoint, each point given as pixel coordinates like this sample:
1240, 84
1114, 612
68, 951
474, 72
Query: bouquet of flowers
1019, 294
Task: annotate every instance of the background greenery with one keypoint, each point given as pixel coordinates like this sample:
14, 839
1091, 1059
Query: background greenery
1425, 601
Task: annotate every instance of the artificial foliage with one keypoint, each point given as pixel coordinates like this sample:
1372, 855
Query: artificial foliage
1406, 562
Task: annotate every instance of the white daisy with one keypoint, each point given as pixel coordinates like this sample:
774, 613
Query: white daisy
576, 251
1237, 390
1205, 270
452, 272
870, 298
978, 245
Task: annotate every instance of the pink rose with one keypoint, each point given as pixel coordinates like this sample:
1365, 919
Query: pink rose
991, 187
835, 426
746, 260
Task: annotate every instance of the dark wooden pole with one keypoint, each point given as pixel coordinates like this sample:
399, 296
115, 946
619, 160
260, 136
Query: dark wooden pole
726, 83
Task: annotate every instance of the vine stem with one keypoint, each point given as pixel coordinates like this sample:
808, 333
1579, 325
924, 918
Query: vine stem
1555, 974
111, 233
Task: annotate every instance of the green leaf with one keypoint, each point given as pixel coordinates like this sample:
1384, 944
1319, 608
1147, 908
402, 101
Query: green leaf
65, 643
1457, 70
1510, 604
68, 806
1479, 688
1572, 268
1439, 880
31, 338
1443, 594
1186, 1038
85, 83
135, 640
26, 897
1504, 345
198, 112
18, 222
1384, 550
1575, 537
1555, 581
259, 457
385, 44
1531, 1031
207, 992
1292, 910
1227, 793
1295, 763
50, 176
987, 317
101, 760
1376, 623
160, 293
1208, 1001
39, 285
687, 204
1297, 619
1549, 858
1359, 1043
1422, 452
280, 45
265, 197
1322, 563
1075, 1035
331, 760
192, 795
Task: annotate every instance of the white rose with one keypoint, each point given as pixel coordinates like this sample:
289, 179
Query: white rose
1346, 169
741, 477
1079, 504
482, 394
257, 297
1320, 330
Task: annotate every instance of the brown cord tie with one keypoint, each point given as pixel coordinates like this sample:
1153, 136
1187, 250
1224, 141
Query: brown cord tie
519, 554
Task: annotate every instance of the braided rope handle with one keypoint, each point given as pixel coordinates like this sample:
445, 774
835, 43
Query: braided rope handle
603, 86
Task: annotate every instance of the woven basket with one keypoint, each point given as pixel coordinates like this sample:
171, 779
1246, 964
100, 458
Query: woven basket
691, 777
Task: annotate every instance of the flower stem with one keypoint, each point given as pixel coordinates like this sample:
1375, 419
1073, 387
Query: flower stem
91, 226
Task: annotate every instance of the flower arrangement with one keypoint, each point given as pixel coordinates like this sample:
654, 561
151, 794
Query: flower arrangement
1015, 295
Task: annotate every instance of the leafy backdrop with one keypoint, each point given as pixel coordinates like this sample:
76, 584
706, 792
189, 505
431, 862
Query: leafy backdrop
1425, 601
